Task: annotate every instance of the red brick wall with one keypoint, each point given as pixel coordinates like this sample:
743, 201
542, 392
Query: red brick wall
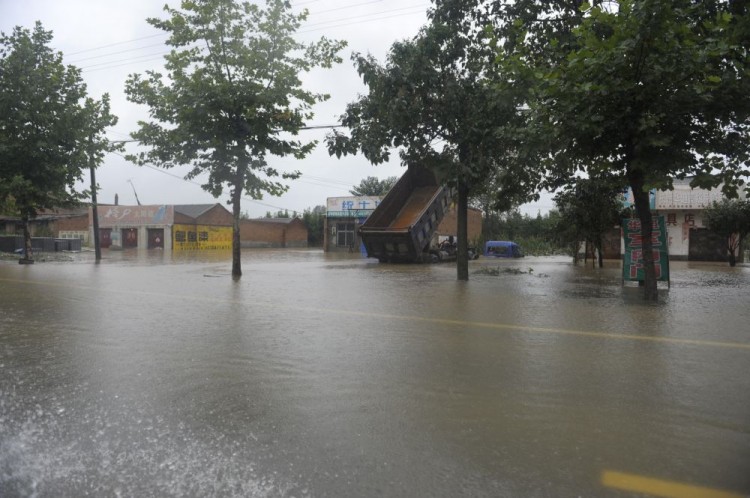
261, 233
182, 219
449, 224
296, 234
72, 224
217, 216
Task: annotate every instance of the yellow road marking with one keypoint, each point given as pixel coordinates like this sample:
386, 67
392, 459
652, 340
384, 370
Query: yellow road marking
439, 321
526, 328
659, 487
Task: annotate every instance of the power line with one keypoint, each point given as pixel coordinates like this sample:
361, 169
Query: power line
311, 127
418, 6
316, 180
330, 180
118, 43
76, 61
111, 64
118, 133
319, 127
319, 26
153, 58
187, 180
345, 8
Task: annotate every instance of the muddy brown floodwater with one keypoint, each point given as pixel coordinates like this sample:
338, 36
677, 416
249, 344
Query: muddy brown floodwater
315, 375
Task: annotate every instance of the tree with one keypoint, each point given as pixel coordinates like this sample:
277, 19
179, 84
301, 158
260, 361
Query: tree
434, 100
589, 208
314, 220
730, 219
648, 89
232, 97
373, 186
49, 130
280, 214
95, 145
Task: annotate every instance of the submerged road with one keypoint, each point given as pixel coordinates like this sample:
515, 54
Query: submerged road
317, 375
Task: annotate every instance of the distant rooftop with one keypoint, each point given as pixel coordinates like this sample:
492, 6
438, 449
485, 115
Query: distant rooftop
283, 221
192, 210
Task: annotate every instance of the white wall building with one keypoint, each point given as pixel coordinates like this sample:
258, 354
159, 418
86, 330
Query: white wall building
683, 209
688, 235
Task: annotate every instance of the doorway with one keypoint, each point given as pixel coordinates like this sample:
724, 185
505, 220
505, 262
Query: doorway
129, 237
105, 237
156, 238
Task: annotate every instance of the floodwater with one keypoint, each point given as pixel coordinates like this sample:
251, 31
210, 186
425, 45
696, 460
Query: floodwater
323, 375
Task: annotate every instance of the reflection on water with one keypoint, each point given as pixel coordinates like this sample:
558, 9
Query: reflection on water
153, 374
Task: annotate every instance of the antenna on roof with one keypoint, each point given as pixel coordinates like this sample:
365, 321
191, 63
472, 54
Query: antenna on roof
136, 193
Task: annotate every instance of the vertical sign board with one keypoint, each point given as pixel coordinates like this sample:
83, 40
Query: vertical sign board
632, 265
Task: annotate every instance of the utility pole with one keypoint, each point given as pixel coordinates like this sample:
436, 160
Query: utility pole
95, 208
136, 193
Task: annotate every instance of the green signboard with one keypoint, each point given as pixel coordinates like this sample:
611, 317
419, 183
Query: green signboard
632, 265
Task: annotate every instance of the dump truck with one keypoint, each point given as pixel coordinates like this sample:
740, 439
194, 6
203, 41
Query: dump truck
401, 227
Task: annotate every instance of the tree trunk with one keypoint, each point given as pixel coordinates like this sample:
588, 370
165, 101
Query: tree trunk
732, 256
586, 252
462, 257
643, 211
27, 251
734, 243
236, 247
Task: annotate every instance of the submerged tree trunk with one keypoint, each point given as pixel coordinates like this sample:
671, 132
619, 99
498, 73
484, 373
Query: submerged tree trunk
643, 211
586, 252
733, 245
732, 256
236, 211
27, 251
462, 257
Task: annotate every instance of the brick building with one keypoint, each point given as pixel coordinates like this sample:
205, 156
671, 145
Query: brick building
273, 232
344, 216
683, 208
199, 227
186, 227
62, 223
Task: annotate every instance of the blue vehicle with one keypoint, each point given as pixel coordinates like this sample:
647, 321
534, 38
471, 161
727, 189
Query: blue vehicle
502, 249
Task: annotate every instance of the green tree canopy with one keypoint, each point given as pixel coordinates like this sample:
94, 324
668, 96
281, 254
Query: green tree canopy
730, 219
648, 89
433, 100
314, 219
50, 132
372, 185
231, 96
589, 208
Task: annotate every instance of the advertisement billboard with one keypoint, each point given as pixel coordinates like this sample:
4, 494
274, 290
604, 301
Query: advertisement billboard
632, 265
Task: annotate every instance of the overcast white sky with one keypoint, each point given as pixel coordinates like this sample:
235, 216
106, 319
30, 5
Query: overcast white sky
110, 39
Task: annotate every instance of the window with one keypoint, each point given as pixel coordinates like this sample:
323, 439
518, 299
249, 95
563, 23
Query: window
345, 234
